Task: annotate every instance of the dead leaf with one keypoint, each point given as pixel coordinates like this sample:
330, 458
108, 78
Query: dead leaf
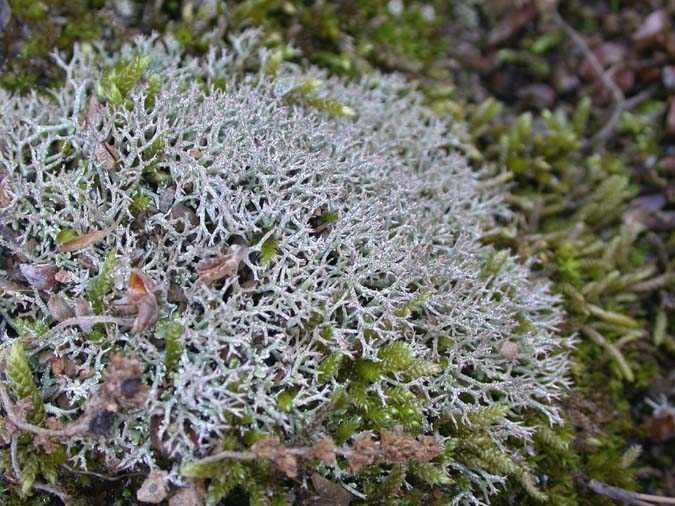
364, 452
140, 293
4, 199
59, 308
92, 115
83, 308
670, 118
63, 366
661, 426
106, 155
329, 493
12, 287
140, 286
148, 314
84, 241
41, 277
222, 266
63, 276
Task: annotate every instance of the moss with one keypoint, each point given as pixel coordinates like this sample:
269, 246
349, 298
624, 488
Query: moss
102, 284
36, 29
552, 173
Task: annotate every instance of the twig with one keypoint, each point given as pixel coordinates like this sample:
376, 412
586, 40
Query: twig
607, 81
226, 455
14, 457
99, 475
620, 103
52, 490
621, 107
87, 320
74, 429
626, 496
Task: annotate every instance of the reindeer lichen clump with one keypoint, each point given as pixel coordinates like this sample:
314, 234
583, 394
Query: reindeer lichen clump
252, 280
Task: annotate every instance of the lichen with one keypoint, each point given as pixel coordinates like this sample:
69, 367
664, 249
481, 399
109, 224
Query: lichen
293, 268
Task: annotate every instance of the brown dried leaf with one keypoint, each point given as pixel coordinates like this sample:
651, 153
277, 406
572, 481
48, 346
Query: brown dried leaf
41, 277
661, 426
63, 366
222, 266
670, 118
148, 314
329, 493
12, 287
140, 295
63, 276
59, 308
106, 155
180, 211
84, 241
123, 385
83, 308
4, 199
140, 286
92, 115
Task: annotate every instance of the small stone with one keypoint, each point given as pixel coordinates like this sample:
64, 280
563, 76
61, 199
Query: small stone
63, 276
130, 387
539, 95
565, 81
653, 26
668, 77
509, 350
101, 423
155, 488
188, 496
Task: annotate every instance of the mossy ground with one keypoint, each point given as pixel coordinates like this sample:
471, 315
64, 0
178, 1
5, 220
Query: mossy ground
571, 195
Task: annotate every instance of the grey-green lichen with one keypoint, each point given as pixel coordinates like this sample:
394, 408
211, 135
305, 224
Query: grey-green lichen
261, 264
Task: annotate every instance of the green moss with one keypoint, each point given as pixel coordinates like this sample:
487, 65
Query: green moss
556, 191
22, 383
170, 332
37, 28
118, 81
102, 284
